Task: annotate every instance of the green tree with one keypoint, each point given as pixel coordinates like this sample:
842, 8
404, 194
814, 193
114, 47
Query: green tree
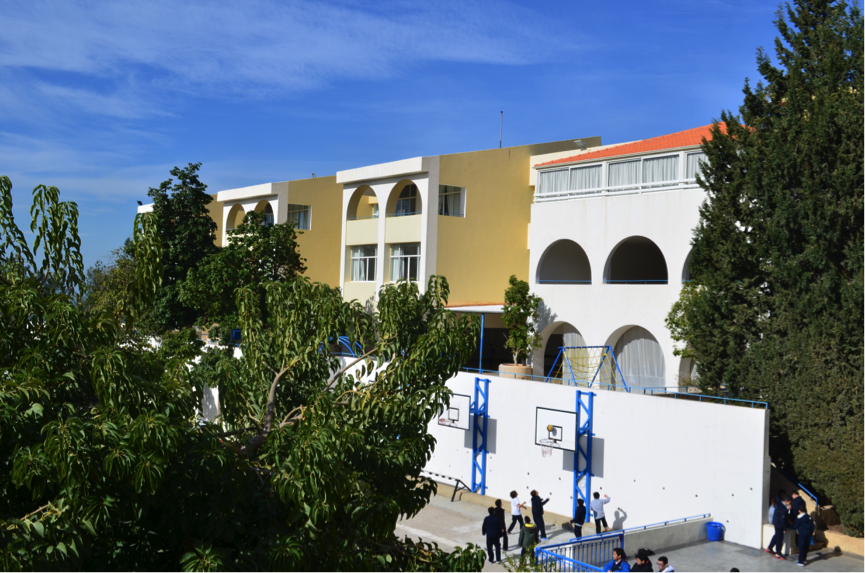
776, 313
188, 234
107, 282
105, 463
520, 315
256, 254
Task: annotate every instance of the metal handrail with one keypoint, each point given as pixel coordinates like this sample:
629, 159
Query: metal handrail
404, 214
635, 281
638, 528
802, 487
624, 189
361, 218
563, 282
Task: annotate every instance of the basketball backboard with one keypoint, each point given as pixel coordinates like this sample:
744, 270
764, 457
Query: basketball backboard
457, 415
556, 429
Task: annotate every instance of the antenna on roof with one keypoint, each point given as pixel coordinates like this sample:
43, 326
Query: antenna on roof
580, 143
501, 125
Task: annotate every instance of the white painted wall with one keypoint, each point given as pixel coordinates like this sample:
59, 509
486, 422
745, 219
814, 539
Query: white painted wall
657, 458
602, 312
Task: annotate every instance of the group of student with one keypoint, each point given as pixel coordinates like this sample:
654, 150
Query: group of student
642, 561
790, 514
530, 533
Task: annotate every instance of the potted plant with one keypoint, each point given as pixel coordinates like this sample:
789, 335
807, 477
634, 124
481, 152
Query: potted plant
520, 315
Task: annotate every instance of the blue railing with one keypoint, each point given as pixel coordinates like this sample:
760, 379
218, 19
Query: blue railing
636, 282
403, 214
361, 218
583, 554
802, 487
563, 282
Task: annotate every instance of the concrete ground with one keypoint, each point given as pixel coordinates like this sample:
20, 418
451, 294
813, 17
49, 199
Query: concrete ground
459, 523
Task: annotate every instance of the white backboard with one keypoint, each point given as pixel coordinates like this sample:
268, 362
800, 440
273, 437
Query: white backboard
457, 414
556, 429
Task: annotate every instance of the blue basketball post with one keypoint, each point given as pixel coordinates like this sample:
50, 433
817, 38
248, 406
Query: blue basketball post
480, 410
583, 455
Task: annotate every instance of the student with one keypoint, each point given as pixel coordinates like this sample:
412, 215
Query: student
598, 511
538, 512
619, 562
779, 520
771, 510
643, 563
795, 503
500, 515
664, 564
804, 528
579, 519
528, 538
491, 528
516, 516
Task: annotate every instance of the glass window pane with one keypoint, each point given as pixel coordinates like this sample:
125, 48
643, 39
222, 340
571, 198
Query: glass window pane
661, 169
588, 177
692, 164
623, 173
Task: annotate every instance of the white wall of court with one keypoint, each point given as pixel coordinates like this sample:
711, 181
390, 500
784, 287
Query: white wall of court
657, 458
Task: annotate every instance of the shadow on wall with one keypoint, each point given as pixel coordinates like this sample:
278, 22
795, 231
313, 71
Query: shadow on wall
492, 425
597, 459
620, 516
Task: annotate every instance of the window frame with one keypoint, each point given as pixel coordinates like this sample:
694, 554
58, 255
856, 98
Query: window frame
406, 262
365, 261
460, 191
305, 209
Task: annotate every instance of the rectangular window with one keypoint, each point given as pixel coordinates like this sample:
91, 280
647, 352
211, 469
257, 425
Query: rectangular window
406, 204
625, 174
363, 263
451, 201
661, 169
692, 164
299, 214
584, 178
552, 181
404, 261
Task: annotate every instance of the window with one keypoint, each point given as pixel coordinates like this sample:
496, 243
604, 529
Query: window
404, 261
553, 181
407, 202
450, 201
692, 164
363, 263
661, 169
268, 215
584, 178
375, 210
623, 174
299, 214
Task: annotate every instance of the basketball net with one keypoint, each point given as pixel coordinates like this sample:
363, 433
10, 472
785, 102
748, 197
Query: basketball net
547, 447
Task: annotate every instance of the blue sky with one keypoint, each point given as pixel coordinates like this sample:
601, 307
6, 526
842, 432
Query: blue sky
102, 99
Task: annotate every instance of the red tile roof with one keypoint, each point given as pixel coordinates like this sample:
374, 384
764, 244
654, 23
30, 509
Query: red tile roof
671, 141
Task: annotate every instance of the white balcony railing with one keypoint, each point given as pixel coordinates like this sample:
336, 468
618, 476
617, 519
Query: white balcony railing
633, 188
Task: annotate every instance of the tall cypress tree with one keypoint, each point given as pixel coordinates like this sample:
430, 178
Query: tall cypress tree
778, 255
188, 235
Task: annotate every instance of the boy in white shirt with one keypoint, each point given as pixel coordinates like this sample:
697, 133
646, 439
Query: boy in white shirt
516, 516
598, 511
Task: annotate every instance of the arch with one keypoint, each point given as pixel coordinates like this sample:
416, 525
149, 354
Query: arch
363, 204
636, 260
266, 208
686, 269
687, 372
564, 262
235, 217
640, 357
560, 334
404, 199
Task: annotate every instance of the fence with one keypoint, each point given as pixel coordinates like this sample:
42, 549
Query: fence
589, 554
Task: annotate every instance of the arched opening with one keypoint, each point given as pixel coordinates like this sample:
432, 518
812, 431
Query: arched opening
564, 262
686, 270
640, 358
404, 200
266, 208
564, 335
363, 204
235, 217
636, 260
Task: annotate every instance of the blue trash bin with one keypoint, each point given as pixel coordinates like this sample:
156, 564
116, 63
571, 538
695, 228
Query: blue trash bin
715, 531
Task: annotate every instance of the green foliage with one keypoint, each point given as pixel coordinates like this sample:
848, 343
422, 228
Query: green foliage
188, 235
255, 255
105, 463
521, 313
777, 315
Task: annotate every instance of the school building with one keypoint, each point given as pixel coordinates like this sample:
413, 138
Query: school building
601, 232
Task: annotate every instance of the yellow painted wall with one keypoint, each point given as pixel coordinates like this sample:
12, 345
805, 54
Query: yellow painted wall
214, 209
404, 229
320, 245
477, 253
361, 232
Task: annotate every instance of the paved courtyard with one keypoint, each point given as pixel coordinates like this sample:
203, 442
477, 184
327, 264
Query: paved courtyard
459, 523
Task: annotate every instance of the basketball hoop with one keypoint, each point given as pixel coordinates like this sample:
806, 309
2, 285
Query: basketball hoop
547, 447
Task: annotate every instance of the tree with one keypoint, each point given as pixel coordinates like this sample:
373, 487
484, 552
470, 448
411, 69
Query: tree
776, 311
188, 235
521, 313
105, 463
107, 282
256, 254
